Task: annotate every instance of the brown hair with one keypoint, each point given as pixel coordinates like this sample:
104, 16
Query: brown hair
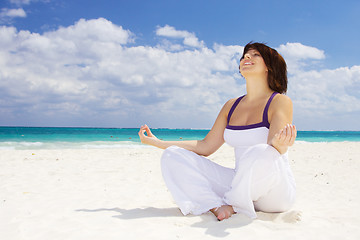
277, 73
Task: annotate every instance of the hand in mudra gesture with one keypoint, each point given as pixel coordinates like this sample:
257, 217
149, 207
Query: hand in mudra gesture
285, 137
147, 138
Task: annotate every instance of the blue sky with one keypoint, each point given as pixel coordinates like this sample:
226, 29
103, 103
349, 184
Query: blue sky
171, 63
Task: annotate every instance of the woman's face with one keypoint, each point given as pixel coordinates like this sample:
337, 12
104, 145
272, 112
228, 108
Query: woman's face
252, 62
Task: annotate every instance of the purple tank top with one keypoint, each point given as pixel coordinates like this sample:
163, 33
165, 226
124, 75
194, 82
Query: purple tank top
264, 123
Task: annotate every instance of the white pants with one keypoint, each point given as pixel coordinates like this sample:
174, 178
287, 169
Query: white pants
262, 180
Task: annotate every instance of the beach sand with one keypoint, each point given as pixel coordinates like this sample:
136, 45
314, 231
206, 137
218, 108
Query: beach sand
120, 194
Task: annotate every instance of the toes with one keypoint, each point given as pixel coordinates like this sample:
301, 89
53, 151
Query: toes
221, 216
223, 212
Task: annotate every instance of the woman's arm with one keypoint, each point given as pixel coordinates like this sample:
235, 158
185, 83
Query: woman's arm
213, 140
282, 133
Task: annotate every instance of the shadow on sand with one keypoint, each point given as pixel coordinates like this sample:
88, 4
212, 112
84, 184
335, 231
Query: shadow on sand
136, 213
208, 221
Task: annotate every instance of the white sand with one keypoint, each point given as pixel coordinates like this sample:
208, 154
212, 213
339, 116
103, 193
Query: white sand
120, 194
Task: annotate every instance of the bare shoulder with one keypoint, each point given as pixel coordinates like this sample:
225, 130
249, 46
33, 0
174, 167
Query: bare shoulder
280, 107
230, 102
281, 101
227, 106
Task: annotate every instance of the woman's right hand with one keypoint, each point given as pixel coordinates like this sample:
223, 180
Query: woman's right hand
147, 138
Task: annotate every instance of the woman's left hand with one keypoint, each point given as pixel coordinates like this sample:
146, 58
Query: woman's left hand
284, 138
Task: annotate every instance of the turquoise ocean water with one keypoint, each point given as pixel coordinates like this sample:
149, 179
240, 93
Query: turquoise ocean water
83, 138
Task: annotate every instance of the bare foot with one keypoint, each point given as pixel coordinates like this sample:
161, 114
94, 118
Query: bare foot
223, 212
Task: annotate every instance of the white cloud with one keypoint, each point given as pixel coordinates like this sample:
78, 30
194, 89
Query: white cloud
12, 13
329, 90
20, 2
324, 98
300, 51
168, 31
88, 74
7, 15
190, 39
87, 71
26, 2
95, 30
299, 56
